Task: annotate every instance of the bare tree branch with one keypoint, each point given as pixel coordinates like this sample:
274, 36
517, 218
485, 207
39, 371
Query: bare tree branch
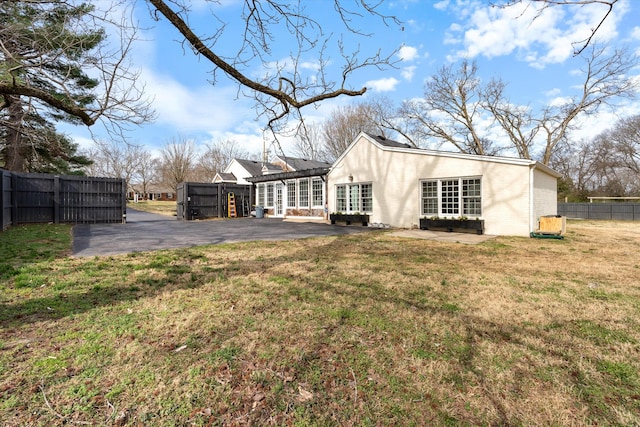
581, 45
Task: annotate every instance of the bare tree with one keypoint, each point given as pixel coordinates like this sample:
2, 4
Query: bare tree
456, 100
217, 157
178, 158
516, 121
309, 143
116, 159
626, 138
285, 87
147, 172
343, 126
450, 109
580, 45
605, 79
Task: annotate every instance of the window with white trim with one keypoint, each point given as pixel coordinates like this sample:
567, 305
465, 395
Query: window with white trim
471, 197
451, 197
260, 190
303, 193
317, 193
429, 198
366, 190
291, 194
352, 198
269, 195
341, 198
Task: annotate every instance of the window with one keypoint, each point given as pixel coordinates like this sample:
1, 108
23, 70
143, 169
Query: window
317, 193
367, 197
452, 197
341, 198
354, 198
169, 195
291, 194
269, 195
303, 193
471, 201
430, 198
260, 195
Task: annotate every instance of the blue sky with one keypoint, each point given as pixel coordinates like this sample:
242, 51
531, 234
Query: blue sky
534, 56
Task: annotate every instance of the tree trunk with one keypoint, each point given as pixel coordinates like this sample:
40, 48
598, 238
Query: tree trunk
16, 152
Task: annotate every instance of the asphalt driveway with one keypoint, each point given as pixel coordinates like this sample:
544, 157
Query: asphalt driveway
147, 232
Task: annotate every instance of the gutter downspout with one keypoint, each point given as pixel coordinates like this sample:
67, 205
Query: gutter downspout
532, 214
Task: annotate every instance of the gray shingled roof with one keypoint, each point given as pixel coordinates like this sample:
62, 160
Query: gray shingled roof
227, 177
389, 142
303, 164
254, 167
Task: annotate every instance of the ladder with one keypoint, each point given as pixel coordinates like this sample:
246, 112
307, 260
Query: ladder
231, 204
245, 207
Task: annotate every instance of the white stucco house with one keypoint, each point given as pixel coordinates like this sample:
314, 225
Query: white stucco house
397, 185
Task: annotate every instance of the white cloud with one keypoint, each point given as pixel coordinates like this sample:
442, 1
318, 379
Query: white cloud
407, 53
408, 72
553, 92
383, 85
195, 108
538, 35
441, 5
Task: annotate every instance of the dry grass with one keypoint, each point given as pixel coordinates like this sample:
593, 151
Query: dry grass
367, 329
154, 206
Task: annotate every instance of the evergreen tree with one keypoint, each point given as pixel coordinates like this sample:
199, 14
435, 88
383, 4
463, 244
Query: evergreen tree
45, 46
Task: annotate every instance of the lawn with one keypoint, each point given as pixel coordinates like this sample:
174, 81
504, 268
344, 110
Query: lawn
365, 329
154, 206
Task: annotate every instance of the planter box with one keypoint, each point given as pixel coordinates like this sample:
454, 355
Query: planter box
350, 218
453, 225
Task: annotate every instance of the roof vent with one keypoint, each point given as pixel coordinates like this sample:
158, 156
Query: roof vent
382, 137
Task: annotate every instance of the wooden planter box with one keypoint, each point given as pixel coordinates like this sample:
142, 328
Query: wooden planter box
453, 225
350, 218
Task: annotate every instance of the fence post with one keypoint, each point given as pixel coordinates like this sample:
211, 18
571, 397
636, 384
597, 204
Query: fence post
56, 199
2, 178
14, 198
220, 201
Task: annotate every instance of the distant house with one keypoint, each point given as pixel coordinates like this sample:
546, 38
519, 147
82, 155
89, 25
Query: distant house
239, 170
156, 192
397, 185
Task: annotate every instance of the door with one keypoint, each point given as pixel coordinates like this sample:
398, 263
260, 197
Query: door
279, 200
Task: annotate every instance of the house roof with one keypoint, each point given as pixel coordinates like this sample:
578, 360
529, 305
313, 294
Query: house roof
254, 167
224, 177
391, 145
297, 164
388, 142
282, 176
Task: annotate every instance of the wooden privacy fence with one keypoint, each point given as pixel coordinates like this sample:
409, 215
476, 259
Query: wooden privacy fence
200, 200
616, 211
43, 198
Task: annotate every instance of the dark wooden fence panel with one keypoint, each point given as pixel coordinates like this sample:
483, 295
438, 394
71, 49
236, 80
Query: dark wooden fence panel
614, 211
43, 198
198, 200
33, 197
6, 195
92, 200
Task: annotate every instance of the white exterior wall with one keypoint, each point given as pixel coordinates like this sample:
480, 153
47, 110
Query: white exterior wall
239, 172
545, 195
395, 175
